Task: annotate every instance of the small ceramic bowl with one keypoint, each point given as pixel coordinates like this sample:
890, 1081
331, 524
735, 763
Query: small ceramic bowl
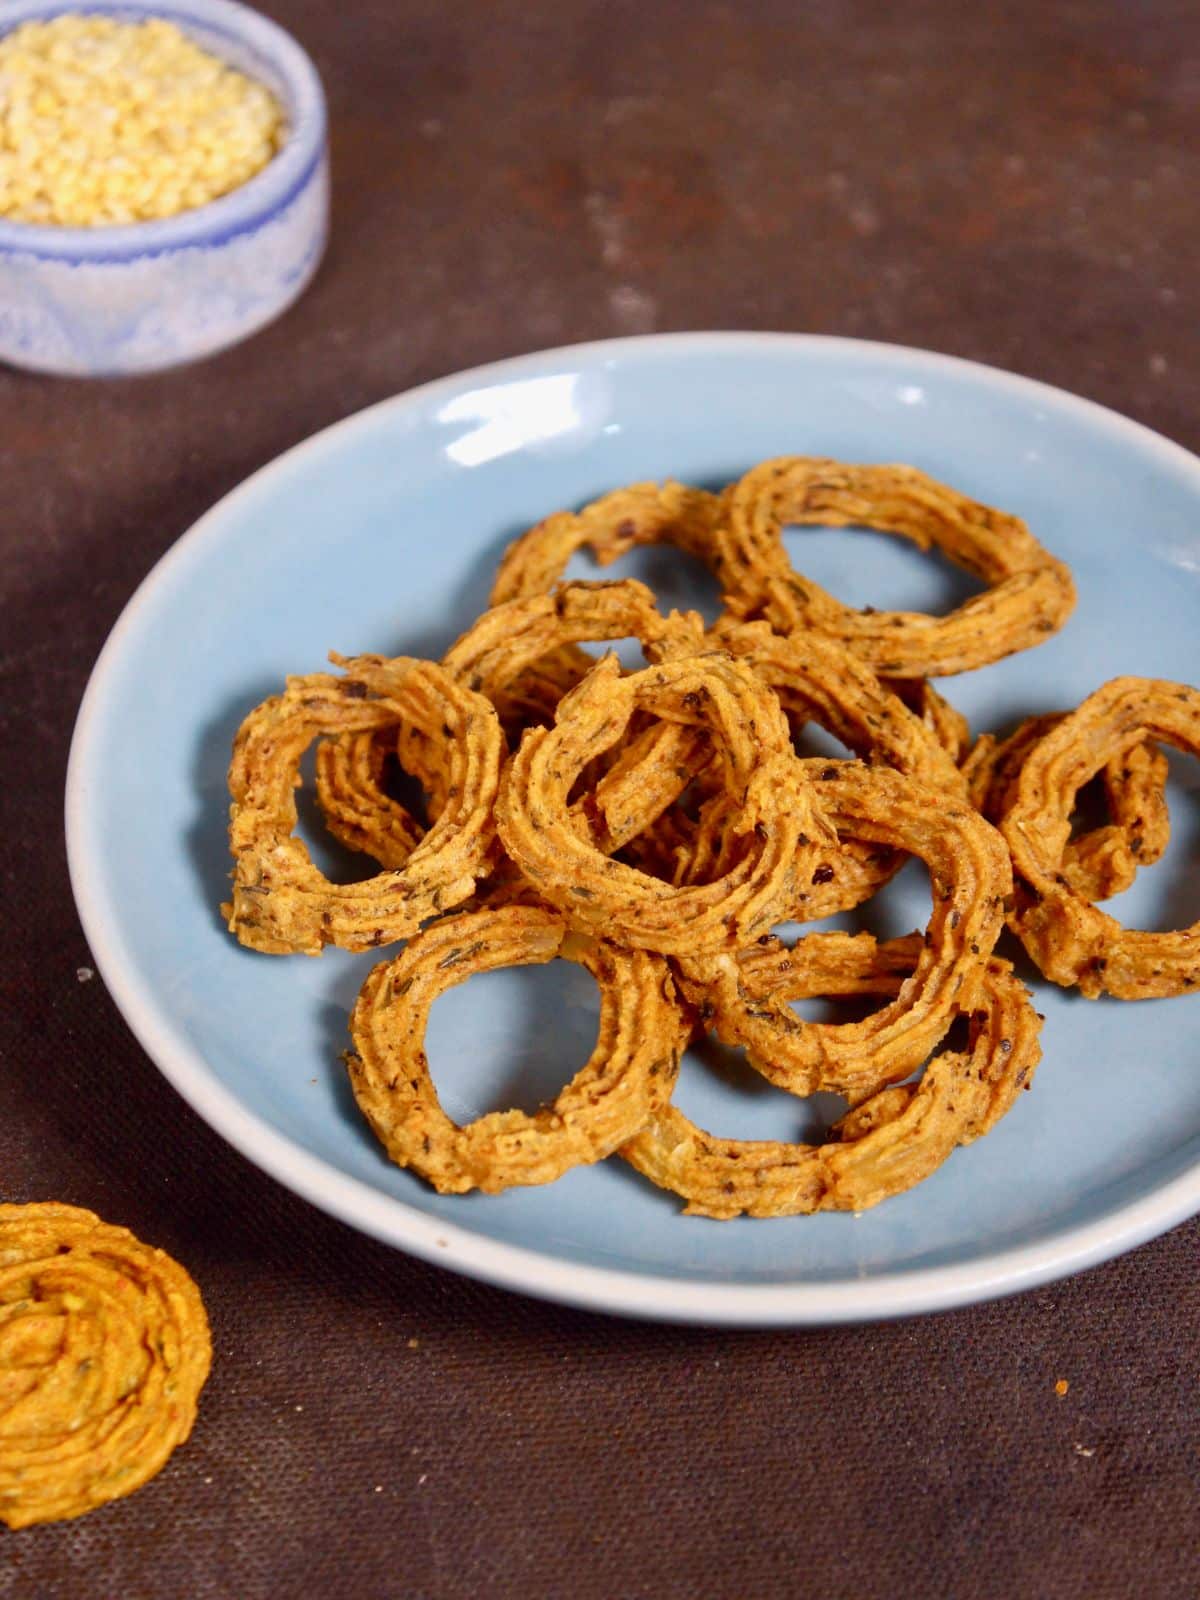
133, 298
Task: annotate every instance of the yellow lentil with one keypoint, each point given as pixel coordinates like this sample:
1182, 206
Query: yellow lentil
106, 122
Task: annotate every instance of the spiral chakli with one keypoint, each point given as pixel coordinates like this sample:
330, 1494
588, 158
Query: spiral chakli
104, 1348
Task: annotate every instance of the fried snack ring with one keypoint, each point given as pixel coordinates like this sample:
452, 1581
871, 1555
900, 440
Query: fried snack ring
512, 640
504, 644
890, 1141
357, 809
1071, 941
1103, 861
739, 992
820, 681
104, 1348
947, 724
281, 902
776, 814
1030, 594
627, 1078
643, 513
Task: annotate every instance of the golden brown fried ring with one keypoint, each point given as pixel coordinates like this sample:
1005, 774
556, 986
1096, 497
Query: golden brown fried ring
739, 992
512, 641
947, 724
104, 1348
629, 1075
512, 637
1103, 861
818, 680
772, 806
1030, 594
887, 1143
1071, 941
644, 513
281, 902
357, 809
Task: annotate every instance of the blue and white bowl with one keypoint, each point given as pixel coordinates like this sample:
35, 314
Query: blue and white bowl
111, 300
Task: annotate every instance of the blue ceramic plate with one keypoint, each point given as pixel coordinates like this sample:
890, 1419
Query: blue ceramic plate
382, 534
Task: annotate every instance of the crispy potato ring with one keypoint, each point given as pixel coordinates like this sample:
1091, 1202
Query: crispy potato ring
1030, 595
629, 1075
1103, 861
104, 1348
819, 680
281, 902
739, 992
889, 1141
1071, 941
775, 812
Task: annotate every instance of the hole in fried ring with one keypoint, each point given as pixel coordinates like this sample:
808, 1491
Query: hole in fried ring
629, 1075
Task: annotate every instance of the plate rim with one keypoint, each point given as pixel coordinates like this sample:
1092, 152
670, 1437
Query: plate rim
709, 1300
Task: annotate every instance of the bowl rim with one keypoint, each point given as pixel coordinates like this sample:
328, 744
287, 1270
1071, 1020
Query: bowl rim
243, 209
527, 1269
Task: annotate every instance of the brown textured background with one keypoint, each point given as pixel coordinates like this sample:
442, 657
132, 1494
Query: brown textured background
1012, 182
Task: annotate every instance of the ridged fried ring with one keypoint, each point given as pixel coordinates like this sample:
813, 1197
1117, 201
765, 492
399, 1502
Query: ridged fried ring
887, 1143
104, 1348
281, 902
357, 809
818, 680
772, 814
1103, 861
506, 647
1071, 941
1030, 594
740, 992
643, 513
627, 1078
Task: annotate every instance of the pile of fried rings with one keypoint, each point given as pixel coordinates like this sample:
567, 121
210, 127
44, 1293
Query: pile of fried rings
653, 826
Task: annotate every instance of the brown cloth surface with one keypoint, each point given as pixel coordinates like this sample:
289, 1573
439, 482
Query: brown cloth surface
1012, 183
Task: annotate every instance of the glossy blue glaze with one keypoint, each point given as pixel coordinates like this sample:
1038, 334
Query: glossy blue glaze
382, 534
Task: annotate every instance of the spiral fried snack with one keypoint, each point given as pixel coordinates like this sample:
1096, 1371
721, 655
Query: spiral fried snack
104, 1348
1030, 594
1071, 941
820, 681
1103, 861
892, 1139
627, 1078
643, 513
356, 807
281, 902
511, 642
947, 724
739, 991
770, 826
